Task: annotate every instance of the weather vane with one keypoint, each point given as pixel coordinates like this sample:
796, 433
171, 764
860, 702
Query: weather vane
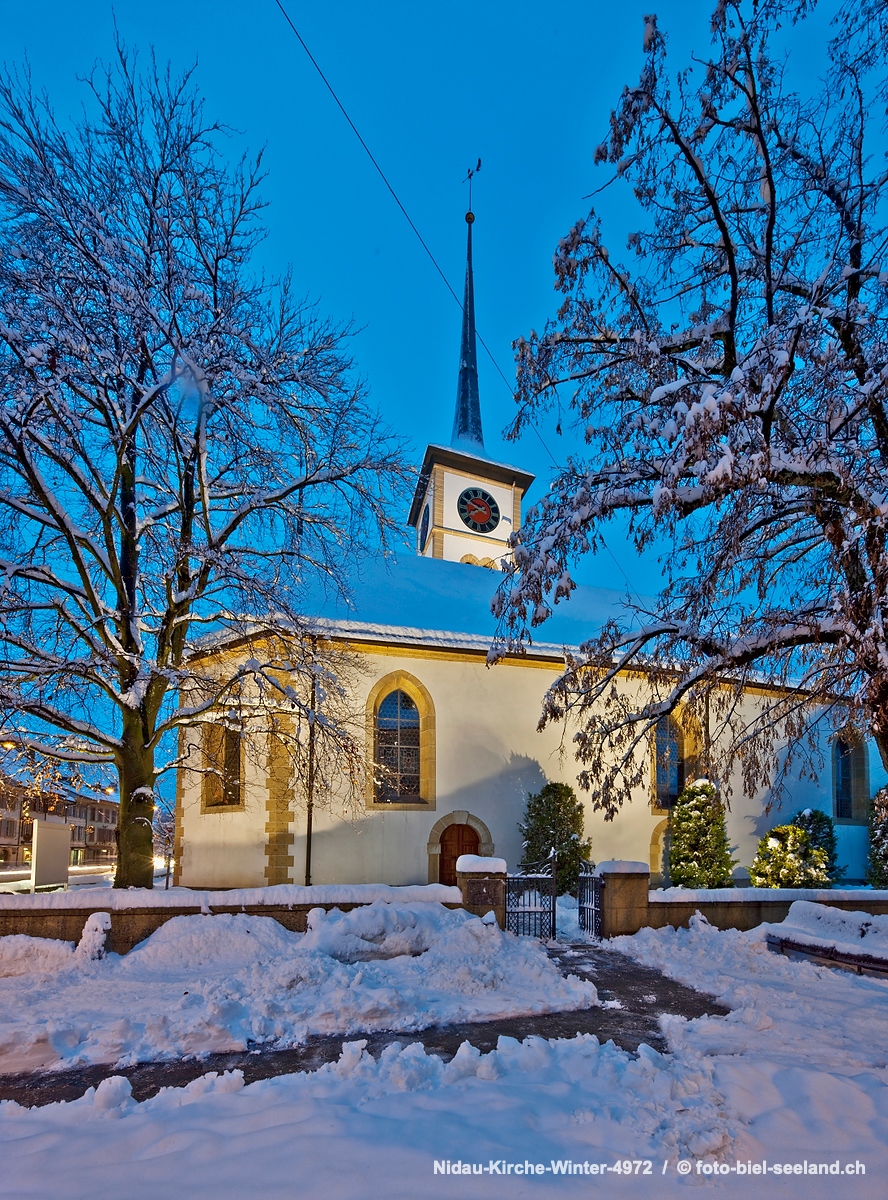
473, 171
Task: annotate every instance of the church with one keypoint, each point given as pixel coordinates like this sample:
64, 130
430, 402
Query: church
456, 739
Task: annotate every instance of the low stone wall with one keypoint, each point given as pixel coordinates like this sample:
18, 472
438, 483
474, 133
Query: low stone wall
131, 926
746, 914
628, 904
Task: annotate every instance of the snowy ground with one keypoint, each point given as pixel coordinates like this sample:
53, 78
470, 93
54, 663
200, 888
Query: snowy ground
204, 983
797, 1074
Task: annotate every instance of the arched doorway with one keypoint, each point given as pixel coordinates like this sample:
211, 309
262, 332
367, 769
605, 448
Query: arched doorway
456, 840
659, 855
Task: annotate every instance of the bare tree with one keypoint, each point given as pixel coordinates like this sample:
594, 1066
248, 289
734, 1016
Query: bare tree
182, 442
732, 389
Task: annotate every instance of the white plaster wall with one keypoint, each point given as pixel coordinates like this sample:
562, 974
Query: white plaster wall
455, 547
748, 820
225, 849
489, 758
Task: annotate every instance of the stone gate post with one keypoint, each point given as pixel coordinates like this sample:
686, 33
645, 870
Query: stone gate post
482, 882
624, 896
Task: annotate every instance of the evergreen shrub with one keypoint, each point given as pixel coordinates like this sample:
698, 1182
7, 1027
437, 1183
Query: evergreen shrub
877, 872
821, 829
554, 818
788, 858
699, 853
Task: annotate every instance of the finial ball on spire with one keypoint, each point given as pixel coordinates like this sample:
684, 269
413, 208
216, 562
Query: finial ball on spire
470, 217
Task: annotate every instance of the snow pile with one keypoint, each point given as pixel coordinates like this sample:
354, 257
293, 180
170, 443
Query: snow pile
222, 982
818, 925
374, 931
567, 920
362, 1126
797, 1072
22, 955
229, 940
92, 940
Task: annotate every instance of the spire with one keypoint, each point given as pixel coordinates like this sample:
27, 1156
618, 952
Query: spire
467, 433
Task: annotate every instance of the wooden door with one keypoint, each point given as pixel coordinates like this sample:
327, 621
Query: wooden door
455, 840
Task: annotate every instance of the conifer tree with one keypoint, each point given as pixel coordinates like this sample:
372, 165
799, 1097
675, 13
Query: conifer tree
877, 873
788, 858
699, 853
553, 818
821, 829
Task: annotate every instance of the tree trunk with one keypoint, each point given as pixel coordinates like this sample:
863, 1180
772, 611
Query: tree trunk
135, 850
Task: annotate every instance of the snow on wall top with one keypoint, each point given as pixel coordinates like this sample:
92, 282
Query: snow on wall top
751, 895
621, 866
477, 862
282, 893
823, 927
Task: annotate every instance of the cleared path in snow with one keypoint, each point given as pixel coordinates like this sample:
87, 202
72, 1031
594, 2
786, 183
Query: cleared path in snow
633, 995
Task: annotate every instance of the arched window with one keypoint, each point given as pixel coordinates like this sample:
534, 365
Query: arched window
850, 783
398, 750
400, 744
669, 762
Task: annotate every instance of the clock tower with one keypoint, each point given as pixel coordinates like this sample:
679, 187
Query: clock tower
465, 506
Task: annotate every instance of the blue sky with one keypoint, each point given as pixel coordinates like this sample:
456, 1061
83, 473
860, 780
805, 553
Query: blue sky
527, 87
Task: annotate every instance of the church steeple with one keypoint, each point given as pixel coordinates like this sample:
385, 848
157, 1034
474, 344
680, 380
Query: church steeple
467, 434
466, 507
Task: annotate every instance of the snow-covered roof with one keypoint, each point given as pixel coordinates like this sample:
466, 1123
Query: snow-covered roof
431, 603
434, 602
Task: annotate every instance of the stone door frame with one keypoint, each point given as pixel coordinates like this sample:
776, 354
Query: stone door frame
486, 847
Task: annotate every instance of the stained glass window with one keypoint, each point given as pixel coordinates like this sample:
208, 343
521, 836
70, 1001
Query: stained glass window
397, 749
670, 762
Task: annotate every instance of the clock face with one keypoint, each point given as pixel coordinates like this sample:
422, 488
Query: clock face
423, 529
478, 510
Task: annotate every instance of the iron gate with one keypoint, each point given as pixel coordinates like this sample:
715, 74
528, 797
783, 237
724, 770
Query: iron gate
530, 905
589, 902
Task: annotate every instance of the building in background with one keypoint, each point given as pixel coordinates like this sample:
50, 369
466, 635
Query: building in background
93, 822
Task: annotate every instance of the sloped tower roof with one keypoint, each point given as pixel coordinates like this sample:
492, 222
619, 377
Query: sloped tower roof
467, 433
